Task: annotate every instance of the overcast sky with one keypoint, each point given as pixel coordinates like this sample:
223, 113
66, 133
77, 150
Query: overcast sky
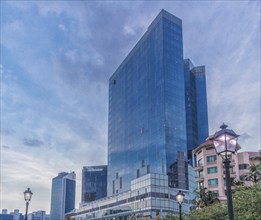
57, 57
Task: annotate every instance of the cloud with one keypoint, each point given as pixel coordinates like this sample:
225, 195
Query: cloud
245, 136
32, 142
7, 131
58, 57
6, 147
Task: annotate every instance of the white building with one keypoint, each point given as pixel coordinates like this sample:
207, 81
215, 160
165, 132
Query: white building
149, 195
37, 215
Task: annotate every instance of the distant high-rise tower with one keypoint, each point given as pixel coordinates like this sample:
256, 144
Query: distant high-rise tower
63, 195
94, 183
147, 108
196, 105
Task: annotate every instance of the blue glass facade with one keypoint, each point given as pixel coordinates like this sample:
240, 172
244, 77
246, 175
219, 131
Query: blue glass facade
147, 117
63, 195
70, 195
196, 105
94, 183
202, 108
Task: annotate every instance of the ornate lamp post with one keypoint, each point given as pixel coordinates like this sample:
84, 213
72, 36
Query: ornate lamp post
198, 200
27, 197
179, 198
225, 142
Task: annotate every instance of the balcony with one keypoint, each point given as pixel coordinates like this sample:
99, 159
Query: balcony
199, 179
232, 163
199, 167
232, 174
211, 162
232, 188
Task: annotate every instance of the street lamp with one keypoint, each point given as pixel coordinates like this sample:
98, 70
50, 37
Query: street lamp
27, 197
198, 200
179, 198
225, 142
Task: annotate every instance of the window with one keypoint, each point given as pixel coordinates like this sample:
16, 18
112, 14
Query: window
210, 148
200, 162
215, 192
212, 158
138, 173
242, 177
243, 166
117, 176
200, 174
212, 182
212, 170
201, 185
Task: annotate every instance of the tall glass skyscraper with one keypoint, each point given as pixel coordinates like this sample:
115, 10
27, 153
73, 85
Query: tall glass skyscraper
157, 112
63, 195
196, 105
147, 117
94, 183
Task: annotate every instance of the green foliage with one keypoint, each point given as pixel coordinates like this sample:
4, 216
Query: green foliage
237, 183
217, 211
246, 205
247, 202
206, 198
254, 173
170, 216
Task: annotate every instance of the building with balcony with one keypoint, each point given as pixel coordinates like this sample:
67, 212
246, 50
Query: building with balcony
210, 171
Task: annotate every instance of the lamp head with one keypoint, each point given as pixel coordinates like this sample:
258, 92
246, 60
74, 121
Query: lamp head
28, 195
225, 142
180, 197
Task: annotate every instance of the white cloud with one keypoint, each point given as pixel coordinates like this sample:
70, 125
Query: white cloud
59, 55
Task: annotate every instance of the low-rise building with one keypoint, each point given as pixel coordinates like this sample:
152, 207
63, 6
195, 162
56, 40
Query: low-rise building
210, 171
37, 215
150, 196
15, 215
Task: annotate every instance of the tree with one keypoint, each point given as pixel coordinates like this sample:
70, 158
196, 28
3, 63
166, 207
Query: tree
246, 203
170, 216
216, 211
206, 198
254, 173
237, 183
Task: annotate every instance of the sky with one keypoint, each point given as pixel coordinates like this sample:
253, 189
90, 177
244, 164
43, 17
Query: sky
56, 60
